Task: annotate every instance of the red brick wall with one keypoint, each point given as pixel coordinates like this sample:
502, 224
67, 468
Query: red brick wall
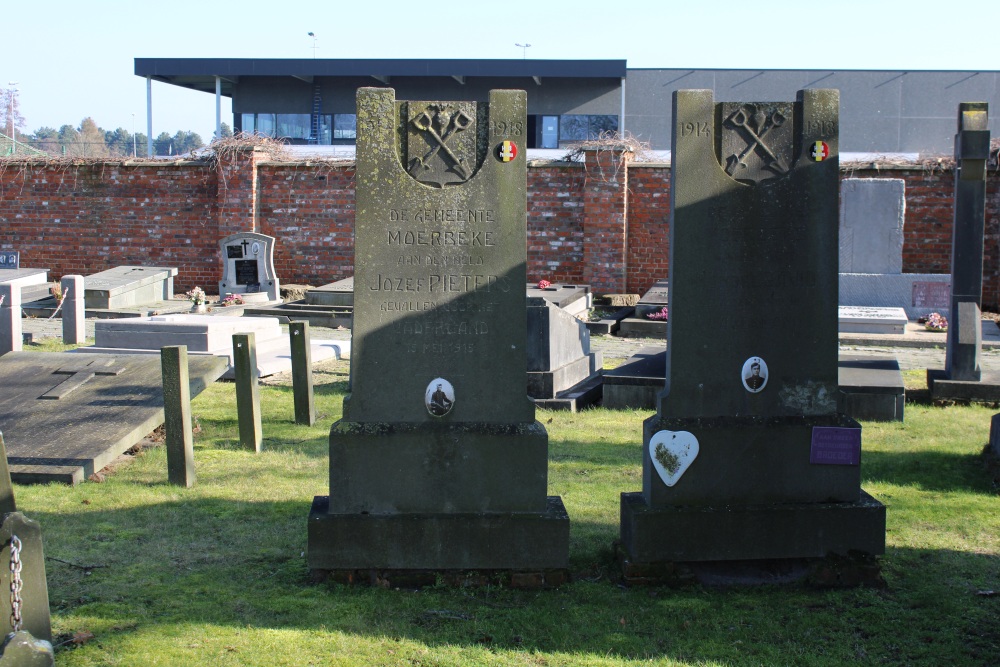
310, 210
555, 223
648, 226
87, 217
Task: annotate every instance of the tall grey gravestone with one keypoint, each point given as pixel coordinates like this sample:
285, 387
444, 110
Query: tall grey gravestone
963, 376
438, 462
747, 457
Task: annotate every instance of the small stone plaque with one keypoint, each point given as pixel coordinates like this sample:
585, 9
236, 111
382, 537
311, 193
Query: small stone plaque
931, 295
234, 252
10, 259
246, 272
835, 446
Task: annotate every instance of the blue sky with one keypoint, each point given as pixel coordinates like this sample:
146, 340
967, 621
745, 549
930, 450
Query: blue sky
74, 59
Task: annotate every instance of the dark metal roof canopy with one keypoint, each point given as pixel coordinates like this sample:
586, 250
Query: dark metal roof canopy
200, 73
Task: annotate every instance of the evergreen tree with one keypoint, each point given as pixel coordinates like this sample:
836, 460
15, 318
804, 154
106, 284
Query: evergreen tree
163, 144
11, 122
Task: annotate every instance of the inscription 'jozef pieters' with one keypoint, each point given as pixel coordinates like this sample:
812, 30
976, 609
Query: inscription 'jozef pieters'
451, 282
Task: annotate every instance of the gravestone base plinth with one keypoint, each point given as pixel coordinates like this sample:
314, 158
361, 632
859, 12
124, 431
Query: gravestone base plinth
255, 297
388, 468
984, 390
658, 538
752, 460
510, 541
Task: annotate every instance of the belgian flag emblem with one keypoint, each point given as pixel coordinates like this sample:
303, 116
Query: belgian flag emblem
506, 151
819, 151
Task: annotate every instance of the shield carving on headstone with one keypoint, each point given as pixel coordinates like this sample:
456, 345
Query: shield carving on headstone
441, 142
756, 141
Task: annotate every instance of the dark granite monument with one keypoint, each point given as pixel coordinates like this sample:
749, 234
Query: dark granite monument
438, 463
747, 457
963, 377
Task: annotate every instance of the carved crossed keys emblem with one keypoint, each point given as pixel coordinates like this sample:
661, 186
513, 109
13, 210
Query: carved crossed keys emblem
441, 126
754, 127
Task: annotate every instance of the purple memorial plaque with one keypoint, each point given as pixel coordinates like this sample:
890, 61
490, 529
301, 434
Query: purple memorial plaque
835, 446
931, 294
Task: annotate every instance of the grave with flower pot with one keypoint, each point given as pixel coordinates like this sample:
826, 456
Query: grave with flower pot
651, 314
439, 464
748, 457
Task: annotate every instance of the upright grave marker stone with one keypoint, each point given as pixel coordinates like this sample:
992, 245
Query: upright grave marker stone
438, 462
74, 313
248, 267
747, 457
963, 375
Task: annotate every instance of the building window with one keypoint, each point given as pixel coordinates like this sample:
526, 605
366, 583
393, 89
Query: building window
345, 126
580, 127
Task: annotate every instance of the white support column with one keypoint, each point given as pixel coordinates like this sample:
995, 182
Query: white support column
218, 107
149, 116
621, 119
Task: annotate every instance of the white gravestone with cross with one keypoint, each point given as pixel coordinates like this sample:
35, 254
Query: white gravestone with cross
248, 267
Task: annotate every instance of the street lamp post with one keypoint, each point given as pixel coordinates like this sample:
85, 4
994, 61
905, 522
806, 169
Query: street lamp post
133, 135
313, 35
524, 50
13, 128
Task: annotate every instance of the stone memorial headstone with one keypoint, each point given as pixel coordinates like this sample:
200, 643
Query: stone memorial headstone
248, 267
128, 286
747, 457
74, 316
963, 376
872, 213
438, 462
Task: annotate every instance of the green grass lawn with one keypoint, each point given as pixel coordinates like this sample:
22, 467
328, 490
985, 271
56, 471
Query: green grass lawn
216, 574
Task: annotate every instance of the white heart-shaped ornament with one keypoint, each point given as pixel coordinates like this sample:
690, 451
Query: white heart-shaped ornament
672, 453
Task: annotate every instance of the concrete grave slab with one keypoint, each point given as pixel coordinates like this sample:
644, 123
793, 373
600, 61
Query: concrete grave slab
919, 294
126, 286
574, 299
208, 335
32, 283
653, 301
871, 388
330, 305
66, 415
859, 319
559, 355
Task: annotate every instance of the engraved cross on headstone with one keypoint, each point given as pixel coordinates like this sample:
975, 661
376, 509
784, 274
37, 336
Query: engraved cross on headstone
245, 244
80, 374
